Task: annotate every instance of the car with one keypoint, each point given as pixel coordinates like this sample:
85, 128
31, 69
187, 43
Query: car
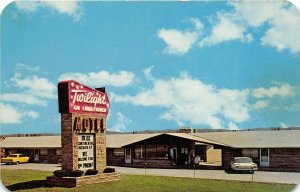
15, 159
243, 164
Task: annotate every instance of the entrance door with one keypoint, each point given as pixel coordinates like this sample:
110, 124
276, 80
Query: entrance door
36, 155
264, 158
173, 154
127, 155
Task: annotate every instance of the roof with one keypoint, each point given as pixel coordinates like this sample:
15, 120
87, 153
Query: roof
255, 139
120, 140
239, 139
195, 138
32, 142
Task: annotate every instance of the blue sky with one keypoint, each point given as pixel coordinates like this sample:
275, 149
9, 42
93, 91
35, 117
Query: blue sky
165, 64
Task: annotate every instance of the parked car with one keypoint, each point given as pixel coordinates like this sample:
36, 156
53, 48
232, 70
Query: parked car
15, 159
243, 164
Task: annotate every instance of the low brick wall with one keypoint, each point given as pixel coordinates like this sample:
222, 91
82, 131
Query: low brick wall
83, 180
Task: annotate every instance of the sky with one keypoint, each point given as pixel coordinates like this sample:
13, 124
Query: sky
165, 65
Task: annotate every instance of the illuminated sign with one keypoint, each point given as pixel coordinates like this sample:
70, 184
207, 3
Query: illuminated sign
74, 97
85, 151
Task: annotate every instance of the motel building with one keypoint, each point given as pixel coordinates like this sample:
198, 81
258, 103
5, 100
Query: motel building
272, 150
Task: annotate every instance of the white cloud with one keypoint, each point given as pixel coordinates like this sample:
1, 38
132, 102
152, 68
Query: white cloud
282, 17
70, 8
13, 115
232, 126
147, 72
226, 30
23, 66
185, 99
29, 90
260, 105
22, 98
180, 42
121, 123
35, 86
282, 29
285, 30
284, 90
283, 125
101, 78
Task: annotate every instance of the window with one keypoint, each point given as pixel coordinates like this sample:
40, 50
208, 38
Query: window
118, 152
139, 152
250, 153
43, 152
58, 151
150, 151
162, 152
184, 150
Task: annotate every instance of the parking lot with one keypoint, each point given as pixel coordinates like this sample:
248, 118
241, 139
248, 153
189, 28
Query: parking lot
258, 176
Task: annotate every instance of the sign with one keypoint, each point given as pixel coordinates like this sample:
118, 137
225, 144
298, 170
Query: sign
74, 97
88, 124
86, 151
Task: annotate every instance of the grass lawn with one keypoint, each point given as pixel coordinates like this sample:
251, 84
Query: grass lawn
35, 181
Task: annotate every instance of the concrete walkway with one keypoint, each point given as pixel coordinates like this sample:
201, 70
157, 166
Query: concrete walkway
258, 176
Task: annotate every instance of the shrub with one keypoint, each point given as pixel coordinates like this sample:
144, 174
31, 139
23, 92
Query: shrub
109, 170
91, 172
76, 173
61, 173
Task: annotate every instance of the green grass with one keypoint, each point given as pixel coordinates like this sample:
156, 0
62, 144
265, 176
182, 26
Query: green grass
28, 180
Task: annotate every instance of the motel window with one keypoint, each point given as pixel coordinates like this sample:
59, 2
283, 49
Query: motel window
150, 151
58, 151
118, 152
139, 152
184, 150
250, 153
162, 152
43, 152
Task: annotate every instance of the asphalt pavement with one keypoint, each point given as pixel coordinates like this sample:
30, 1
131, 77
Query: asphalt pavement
258, 176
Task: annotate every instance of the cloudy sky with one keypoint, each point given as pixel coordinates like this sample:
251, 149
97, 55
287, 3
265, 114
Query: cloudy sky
165, 64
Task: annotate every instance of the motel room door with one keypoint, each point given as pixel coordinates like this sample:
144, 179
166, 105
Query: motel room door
173, 155
264, 158
128, 155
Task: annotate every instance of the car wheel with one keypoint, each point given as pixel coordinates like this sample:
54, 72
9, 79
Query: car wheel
17, 162
251, 172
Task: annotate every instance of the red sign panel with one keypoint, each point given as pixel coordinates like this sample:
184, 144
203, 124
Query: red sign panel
75, 97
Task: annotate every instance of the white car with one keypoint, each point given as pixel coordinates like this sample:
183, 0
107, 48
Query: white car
243, 164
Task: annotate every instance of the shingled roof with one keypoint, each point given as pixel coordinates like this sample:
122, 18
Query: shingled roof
255, 139
239, 139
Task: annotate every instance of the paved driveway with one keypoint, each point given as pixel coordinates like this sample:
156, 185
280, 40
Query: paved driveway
259, 176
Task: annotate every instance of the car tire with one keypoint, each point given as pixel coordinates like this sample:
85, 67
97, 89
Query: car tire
251, 172
17, 162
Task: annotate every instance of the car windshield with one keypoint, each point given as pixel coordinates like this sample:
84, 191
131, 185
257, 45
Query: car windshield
243, 160
13, 156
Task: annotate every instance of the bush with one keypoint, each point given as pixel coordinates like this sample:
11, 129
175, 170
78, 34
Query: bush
91, 172
61, 173
109, 170
76, 173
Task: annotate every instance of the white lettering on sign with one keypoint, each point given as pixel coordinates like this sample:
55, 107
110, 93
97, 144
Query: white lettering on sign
86, 151
83, 96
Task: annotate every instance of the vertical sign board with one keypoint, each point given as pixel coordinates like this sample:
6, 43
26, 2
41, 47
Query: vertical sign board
83, 124
86, 151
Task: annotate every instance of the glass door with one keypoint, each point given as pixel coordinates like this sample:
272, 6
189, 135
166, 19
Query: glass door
173, 155
264, 158
128, 155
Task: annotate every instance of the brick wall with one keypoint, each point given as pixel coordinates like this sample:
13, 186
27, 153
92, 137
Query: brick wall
69, 139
